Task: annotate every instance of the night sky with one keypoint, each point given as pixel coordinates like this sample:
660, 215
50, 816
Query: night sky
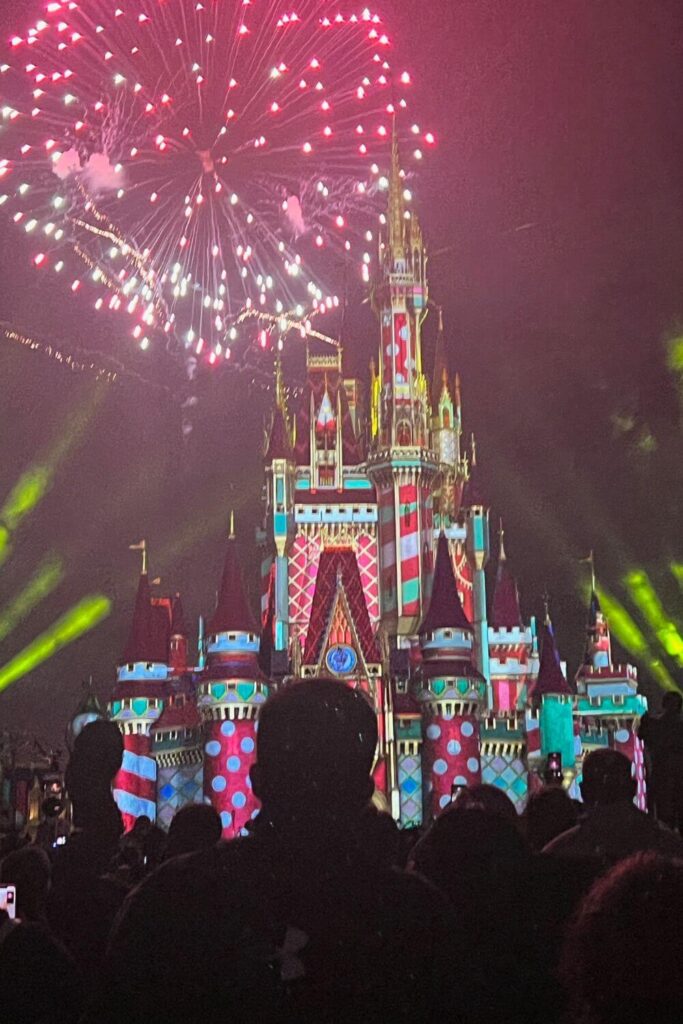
553, 210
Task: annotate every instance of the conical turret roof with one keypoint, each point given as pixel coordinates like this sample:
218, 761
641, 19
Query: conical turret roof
141, 645
551, 678
440, 374
178, 623
445, 609
232, 612
473, 494
505, 613
279, 443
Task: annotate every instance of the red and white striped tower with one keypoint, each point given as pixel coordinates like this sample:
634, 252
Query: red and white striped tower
137, 702
401, 463
609, 706
230, 691
450, 690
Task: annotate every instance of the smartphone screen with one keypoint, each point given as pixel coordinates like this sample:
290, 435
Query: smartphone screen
8, 900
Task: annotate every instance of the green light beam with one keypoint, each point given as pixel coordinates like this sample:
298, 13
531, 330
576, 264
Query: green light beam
46, 578
631, 637
645, 597
80, 619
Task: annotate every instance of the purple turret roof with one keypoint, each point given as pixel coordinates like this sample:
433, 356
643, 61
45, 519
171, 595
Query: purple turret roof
445, 610
506, 613
473, 494
160, 625
232, 609
551, 678
279, 443
440, 375
178, 624
140, 645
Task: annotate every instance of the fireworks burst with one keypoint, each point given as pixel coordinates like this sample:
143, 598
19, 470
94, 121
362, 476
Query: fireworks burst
205, 167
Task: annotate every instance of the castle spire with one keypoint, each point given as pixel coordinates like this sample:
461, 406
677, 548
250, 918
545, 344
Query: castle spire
140, 644
445, 609
396, 201
506, 613
551, 678
440, 373
232, 612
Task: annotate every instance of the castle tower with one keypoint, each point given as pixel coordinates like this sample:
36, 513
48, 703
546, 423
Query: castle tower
176, 735
510, 642
446, 435
401, 463
334, 501
512, 664
477, 522
608, 705
230, 690
137, 702
450, 690
552, 701
279, 530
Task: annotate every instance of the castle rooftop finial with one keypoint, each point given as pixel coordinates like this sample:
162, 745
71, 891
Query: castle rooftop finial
502, 557
141, 546
231, 534
546, 607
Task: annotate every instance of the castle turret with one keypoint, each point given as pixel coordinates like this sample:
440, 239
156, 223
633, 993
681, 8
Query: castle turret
401, 463
552, 698
608, 704
510, 641
137, 702
450, 689
477, 521
230, 691
176, 735
446, 435
279, 532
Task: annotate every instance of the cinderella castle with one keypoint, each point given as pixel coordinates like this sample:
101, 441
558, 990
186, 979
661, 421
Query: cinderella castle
375, 570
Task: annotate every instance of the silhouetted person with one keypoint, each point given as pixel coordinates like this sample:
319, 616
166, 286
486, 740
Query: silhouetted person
140, 851
29, 870
480, 860
293, 923
82, 903
39, 981
193, 828
612, 828
484, 797
549, 812
663, 739
624, 953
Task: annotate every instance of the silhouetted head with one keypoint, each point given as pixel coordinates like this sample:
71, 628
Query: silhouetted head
29, 870
486, 798
467, 849
672, 703
316, 744
607, 778
95, 759
548, 814
195, 827
624, 952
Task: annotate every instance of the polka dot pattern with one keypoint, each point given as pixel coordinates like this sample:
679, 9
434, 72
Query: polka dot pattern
450, 757
229, 754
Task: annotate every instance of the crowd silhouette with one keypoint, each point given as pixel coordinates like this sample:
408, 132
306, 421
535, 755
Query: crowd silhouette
325, 912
